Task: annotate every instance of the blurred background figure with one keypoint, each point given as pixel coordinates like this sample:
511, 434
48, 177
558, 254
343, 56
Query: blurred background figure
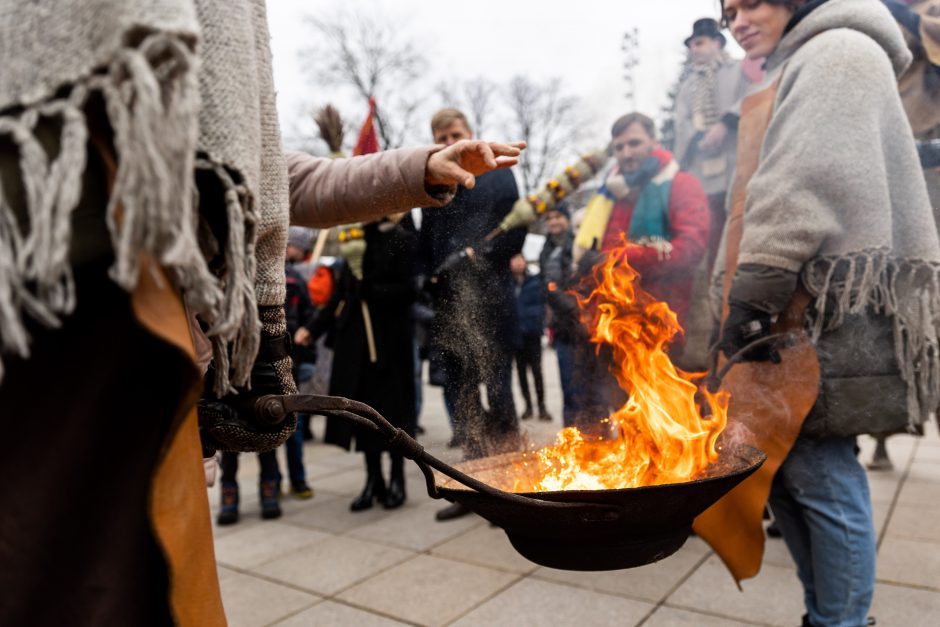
471, 336
372, 336
707, 120
661, 215
300, 316
556, 279
320, 287
920, 93
530, 310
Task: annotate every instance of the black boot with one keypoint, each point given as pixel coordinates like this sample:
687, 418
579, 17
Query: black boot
395, 496
374, 489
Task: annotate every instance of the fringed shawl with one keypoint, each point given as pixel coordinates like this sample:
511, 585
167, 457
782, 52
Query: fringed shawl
187, 86
838, 195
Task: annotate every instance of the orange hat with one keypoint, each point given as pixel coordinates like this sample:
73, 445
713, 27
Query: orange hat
320, 285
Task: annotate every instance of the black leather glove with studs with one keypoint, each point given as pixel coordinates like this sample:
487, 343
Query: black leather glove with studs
230, 423
744, 326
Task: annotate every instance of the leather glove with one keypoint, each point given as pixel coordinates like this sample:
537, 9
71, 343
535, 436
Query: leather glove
743, 326
230, 423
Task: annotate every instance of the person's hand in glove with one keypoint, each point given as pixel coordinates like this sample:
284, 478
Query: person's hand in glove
743, 326
230, 423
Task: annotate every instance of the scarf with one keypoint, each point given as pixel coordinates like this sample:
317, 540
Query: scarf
705, 95
352, 247
187, 88
650, 219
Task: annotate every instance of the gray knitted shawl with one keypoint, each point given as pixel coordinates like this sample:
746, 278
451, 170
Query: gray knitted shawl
187, 86
838, 195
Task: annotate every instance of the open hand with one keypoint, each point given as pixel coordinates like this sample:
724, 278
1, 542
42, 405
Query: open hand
462, 162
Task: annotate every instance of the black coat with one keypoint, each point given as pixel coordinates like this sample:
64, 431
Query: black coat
530, 306
388, 382
557, 279
466, 221
299, 312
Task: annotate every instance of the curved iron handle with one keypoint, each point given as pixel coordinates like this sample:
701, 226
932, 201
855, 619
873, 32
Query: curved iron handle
274, 408
714, 377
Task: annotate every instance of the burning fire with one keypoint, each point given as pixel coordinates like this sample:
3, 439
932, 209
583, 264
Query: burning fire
661, 435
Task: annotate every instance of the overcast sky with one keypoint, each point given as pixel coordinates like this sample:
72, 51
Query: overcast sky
576, 40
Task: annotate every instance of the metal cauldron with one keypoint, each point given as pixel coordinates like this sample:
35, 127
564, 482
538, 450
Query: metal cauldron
572, 529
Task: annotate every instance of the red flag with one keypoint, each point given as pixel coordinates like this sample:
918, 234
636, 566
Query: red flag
368, 140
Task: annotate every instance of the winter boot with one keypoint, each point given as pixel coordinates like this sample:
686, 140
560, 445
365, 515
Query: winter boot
269, 493
228, 512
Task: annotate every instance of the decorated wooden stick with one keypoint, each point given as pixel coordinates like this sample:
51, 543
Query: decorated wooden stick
527, 210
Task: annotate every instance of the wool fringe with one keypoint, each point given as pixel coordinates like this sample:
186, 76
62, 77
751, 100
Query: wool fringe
151, 97
906, 290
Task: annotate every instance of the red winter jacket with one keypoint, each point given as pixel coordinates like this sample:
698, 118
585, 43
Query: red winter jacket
670, 280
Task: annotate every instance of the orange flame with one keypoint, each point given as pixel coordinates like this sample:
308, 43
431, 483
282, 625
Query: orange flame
662, 436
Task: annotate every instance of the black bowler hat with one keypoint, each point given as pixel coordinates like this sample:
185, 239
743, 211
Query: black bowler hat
706, 27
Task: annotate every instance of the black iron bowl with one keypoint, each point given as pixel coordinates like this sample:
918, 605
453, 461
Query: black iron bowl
604, 529
571, 529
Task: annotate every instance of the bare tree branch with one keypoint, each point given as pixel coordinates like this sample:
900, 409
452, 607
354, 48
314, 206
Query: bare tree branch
479, 94
369, 56
547, 119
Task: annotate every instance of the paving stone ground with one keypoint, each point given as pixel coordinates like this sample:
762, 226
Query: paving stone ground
320, 564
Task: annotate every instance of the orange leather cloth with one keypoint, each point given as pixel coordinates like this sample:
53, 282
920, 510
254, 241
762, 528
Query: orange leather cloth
179, 509
769, 402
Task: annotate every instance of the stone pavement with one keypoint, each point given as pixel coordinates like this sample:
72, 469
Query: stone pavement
320, 564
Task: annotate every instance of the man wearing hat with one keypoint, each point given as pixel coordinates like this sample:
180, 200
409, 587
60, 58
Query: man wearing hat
706, 119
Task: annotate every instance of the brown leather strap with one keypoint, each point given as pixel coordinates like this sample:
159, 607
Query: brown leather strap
756, 111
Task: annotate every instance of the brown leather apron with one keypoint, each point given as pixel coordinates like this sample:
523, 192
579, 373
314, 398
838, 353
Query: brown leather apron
769, 402
178, 507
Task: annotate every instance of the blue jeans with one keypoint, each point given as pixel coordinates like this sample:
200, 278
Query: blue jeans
822, 504
294, 445
295, 453
565, 353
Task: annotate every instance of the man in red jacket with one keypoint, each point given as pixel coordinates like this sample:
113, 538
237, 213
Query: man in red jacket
662, 213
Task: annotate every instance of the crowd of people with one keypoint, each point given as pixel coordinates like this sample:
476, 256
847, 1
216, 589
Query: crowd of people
803, 184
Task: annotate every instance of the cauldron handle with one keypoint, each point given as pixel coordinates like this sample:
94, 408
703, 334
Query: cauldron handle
714, 376
273, 409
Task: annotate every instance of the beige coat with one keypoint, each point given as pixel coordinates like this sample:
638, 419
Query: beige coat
326, 192
732, 86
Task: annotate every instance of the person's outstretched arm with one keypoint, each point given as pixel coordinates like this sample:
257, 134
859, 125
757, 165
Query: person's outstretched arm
325, 192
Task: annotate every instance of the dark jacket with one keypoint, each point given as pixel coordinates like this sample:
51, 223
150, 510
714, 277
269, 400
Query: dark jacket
299, 312
467, 220
557, 278
530, 306
387, 288
484, 280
